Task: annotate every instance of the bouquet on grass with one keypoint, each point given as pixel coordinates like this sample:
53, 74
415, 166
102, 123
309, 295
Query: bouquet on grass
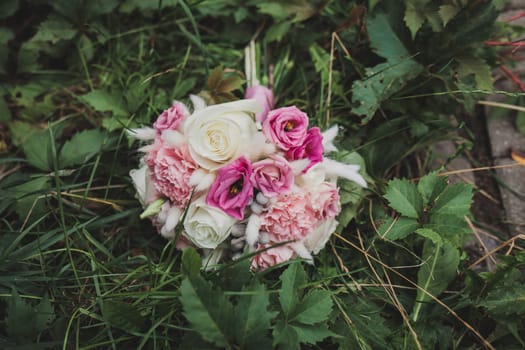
241, 177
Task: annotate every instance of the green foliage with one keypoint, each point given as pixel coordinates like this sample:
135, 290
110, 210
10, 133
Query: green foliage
208, 311
24, 321
431, 209
384, 79
303, 316
78, 267
81, 148
104, 101
123, 315
440, 262
404, 197
212, 314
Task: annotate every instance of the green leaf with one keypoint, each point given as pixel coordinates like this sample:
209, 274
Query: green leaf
183, 88
5, 113
448, 12
430, 234
123, 315
454, 200
385, 79
103, 101
25, 322
8, 8
314, 308
25, 95
252, 318
29, 197
313, 333
505, 300
5, 35
285, 336
21, 131
208, 311
398, 228
153, 208
413, 19
439, 269
293, 278
54, 29
384, 41
366, 328
277, 31
37, 149
482, 72
321, 59
191, 262
404, 197
451, 227
82, 147
430, 186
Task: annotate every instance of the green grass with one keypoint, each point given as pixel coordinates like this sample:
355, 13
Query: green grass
79, 269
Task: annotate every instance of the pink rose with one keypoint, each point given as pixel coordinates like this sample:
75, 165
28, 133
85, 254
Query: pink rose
272, 176
272, 256
264, 96
312, 148
171, 169
286, 127
325, 201
171, 118
232, 190
288, 217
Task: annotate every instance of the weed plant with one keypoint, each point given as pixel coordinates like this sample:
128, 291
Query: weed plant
79, 269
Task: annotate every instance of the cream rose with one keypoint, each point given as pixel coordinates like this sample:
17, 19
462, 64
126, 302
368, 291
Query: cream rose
220, 133
316, 240
146, 192
205, 225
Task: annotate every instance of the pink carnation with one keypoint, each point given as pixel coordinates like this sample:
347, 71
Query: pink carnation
171, 169
272, 176
171, 118
286, 127
326, 202
312, 148
272, 256
264, 96
232, 190
289, 217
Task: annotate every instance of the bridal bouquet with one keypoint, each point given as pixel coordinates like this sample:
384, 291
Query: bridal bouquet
241, 177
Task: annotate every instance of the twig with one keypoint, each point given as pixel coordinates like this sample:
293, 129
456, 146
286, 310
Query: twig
513, 77
501, 246
448, 308
475, 231
391, 293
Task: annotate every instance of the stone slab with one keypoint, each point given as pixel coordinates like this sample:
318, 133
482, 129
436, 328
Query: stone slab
512, 188
445, 149
503, 135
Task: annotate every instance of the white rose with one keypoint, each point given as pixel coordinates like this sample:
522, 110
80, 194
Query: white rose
313, 178
141, 178
206, 226
220, 133
316, 240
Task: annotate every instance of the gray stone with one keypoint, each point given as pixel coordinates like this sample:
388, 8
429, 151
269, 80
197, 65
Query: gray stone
445, 149
512, 188
504, 136
516, 4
